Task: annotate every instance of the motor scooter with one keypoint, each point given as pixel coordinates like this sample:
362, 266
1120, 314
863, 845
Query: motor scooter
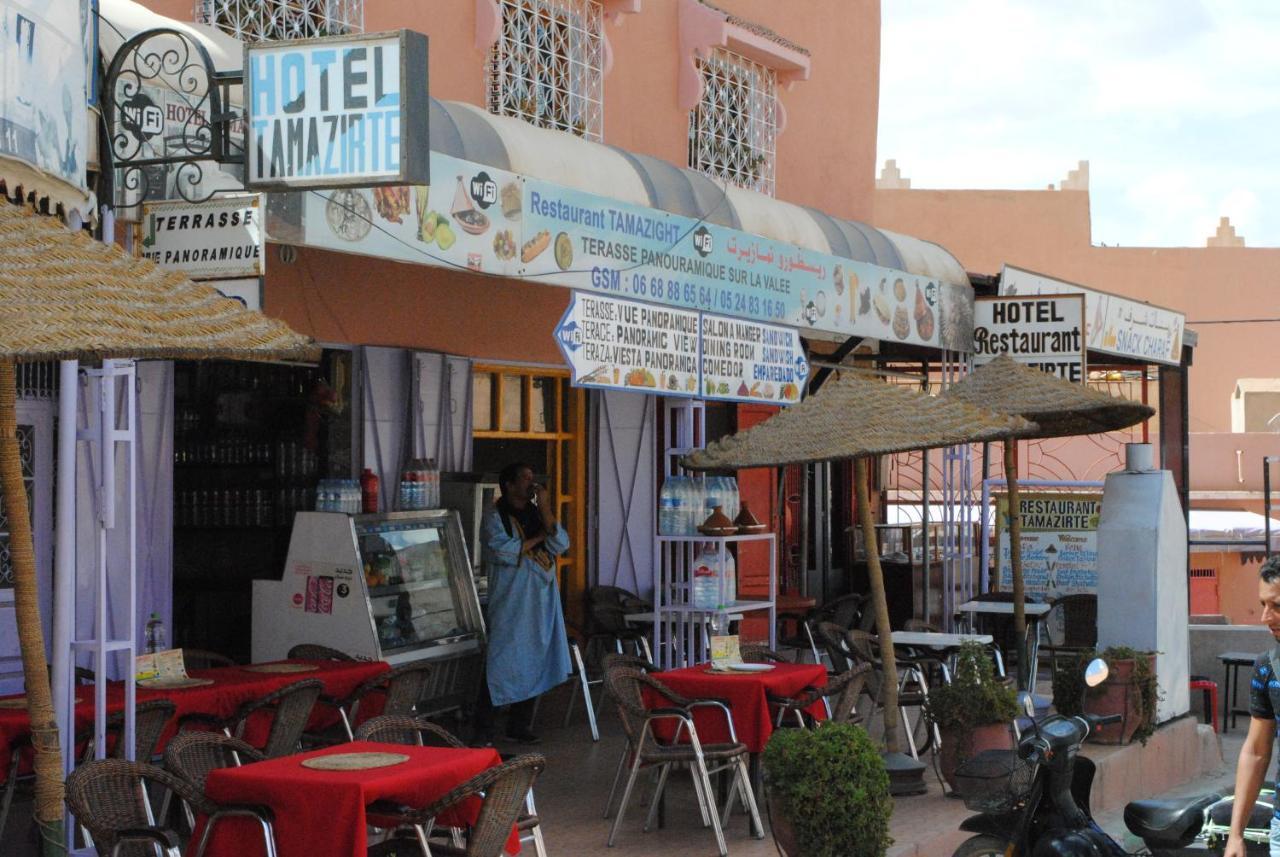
1034, 801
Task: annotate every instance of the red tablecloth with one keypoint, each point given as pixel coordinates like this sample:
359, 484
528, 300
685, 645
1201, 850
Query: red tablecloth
322, 813
231, 688
745, 695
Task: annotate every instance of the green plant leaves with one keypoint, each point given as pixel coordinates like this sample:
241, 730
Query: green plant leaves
832, 785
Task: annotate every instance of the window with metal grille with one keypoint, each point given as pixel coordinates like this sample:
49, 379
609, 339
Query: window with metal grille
264, 20
547, 66
733, 130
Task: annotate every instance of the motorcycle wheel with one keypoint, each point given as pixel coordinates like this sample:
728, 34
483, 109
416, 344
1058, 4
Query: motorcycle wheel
982, 845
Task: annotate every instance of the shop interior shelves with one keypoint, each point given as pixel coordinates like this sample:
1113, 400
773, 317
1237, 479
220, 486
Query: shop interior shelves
733, 607
741, 537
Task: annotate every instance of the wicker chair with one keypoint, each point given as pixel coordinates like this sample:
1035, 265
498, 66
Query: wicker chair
203, 659
393, 729
192, 756
401, 688
108, 799
503, 789
1079, 621
758, 653
150, 719
913, 685
404, 729
845, 688
626, 685
291, 705
607, 663
317, 652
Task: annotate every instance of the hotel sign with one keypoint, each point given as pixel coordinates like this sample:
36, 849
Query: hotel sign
348, 111
1045, 332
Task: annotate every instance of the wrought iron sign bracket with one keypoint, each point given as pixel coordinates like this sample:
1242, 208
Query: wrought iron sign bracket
167, 109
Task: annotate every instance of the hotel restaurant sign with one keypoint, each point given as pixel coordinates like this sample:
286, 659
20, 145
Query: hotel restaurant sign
346, 111
1113, 324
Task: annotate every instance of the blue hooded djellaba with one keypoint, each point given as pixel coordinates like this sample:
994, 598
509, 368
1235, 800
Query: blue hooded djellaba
528, 648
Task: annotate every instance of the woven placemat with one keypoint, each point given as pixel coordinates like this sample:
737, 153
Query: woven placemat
21, 702
354, 761
281, 668
173, 683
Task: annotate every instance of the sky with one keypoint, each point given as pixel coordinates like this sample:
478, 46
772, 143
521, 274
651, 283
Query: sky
1174, 103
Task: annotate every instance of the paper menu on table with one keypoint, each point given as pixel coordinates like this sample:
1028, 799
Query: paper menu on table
166, 665
725, 651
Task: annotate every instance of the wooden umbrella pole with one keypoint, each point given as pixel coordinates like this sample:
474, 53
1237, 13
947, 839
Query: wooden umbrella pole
44, 726
889, 683
1015, 558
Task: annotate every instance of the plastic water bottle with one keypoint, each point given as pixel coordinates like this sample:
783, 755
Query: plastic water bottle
433, 485
692, 505
669, 508
154, 634
406, 494
734, 500
705, 583
713, 495
728, 581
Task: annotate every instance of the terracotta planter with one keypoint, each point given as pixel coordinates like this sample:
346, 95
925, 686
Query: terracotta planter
960, 744
780, 825
1119, 694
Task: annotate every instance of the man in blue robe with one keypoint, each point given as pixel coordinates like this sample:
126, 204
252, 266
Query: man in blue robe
528, 650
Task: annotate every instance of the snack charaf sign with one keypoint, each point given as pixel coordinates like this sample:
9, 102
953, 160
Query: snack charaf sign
337, 112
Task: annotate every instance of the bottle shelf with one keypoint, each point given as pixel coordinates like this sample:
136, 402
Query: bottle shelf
741, 537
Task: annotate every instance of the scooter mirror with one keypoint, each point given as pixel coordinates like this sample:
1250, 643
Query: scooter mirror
1027, 703
1096, 673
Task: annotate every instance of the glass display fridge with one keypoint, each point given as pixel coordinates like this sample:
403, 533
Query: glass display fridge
396, 587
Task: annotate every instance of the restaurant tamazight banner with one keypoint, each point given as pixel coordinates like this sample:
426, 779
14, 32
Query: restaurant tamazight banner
491, 221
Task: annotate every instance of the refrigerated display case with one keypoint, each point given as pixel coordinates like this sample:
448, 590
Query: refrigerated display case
470, 496
396, 587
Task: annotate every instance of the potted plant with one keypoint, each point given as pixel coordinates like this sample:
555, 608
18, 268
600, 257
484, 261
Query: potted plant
1130, 690
973, 712
827, 792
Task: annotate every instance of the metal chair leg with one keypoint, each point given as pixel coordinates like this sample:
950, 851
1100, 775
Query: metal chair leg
701, 772
749, 798
586, 693
626, 796
539, 847
10, 786
703, 794
657, 798
617, 777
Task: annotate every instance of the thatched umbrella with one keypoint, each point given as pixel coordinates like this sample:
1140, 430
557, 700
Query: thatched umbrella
856, 417
1060, 409
69, 297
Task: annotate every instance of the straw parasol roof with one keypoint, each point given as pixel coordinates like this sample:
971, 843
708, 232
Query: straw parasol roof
66, 296
1060, 408
853, 417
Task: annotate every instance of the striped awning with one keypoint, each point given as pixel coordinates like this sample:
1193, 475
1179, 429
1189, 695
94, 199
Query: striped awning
471, 133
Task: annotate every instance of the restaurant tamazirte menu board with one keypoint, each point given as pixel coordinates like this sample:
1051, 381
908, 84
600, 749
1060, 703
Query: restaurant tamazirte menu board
612, 343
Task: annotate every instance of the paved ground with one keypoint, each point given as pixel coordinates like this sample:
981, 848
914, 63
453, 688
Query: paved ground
571, 798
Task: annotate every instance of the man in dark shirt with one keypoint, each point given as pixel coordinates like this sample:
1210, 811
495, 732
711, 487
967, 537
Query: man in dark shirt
1264, 706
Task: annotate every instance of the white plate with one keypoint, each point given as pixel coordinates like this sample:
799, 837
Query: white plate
751, 668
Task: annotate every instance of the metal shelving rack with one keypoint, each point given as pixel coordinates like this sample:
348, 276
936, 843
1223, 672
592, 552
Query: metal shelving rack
681, 631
